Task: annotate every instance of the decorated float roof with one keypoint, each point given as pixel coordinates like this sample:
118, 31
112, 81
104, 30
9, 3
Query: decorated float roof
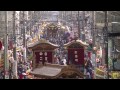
55, 26
42, 41
84, 44
55, 71
47, 71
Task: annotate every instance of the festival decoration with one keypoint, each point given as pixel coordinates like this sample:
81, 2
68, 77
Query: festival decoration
45, 53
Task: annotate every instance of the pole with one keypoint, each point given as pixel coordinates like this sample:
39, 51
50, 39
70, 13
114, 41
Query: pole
6, 63
14, 49
113, 48
14, 34
79, 34
24, 35
83, 24
106, 42
93, 27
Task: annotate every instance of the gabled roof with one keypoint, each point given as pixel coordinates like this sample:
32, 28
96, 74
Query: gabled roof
47, 71
84, 44
55, 71
42, 41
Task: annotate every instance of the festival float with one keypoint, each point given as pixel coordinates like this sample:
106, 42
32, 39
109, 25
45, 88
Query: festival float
43, 67
76, 50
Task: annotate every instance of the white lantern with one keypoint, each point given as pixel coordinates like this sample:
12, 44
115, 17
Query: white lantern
75, 52
76, 60
46, 58
45, 53
40, 53
76, 56
40, 57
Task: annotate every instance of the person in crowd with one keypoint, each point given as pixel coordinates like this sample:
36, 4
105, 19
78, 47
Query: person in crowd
88, 67
64, 61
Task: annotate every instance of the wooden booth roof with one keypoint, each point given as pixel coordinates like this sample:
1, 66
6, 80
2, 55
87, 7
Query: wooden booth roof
55, 71
42, 43
80, 42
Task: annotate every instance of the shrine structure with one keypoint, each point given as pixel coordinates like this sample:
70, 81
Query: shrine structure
42, 52
76, 50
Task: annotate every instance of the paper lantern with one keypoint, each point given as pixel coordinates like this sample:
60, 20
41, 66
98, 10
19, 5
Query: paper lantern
75, 52
46, 58
76, 56
40, 53
45, 53
76, 60
40, 57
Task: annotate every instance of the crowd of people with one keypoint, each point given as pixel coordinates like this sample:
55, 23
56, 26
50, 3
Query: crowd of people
21, 67
18, 68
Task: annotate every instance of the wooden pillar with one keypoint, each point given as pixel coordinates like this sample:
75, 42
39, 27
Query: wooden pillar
52, 57
34, 63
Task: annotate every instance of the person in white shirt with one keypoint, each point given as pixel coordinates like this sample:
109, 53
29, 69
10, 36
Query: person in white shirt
64, 61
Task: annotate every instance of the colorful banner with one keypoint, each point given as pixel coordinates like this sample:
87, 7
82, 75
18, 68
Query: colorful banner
115, 75
99, 73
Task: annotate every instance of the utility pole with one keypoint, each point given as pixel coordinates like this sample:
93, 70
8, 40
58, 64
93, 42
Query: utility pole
14, 49
14, 34
79, 32
106, 42
83, 25
24, 35
6, 63
93, 27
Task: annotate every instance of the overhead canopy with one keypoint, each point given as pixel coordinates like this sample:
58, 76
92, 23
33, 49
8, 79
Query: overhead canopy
55, 71
76, 42
42, 43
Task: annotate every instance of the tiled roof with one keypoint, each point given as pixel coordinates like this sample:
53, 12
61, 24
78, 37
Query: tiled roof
47, 71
